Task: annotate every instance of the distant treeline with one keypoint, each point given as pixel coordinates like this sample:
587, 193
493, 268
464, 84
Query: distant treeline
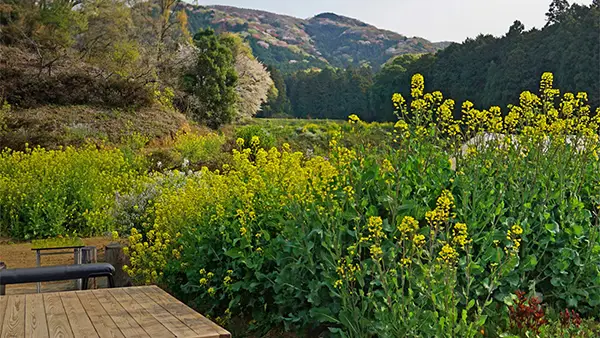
485, 70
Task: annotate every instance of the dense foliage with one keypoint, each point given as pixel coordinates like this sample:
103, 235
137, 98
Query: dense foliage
278, 103
329, 93
430, 233
211, 80
125, 54
71, 191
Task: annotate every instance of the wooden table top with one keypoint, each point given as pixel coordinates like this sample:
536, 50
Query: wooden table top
144, 311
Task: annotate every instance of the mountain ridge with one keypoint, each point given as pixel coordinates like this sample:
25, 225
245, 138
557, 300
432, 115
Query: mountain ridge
326, 39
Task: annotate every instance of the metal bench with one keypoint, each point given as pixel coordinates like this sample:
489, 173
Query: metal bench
57, 273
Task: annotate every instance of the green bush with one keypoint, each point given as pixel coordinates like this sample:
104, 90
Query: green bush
267, 140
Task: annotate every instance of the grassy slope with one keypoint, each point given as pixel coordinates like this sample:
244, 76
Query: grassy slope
53, 126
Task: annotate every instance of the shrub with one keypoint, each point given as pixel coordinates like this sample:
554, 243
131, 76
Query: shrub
134, 209
246, 133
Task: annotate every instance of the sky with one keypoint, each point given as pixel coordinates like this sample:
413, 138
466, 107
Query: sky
435, 20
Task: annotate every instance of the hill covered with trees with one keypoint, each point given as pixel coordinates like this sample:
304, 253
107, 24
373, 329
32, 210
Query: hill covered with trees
486, 70
326, 39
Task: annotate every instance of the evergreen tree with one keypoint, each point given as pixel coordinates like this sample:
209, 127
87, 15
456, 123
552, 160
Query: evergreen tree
516, 29
211, 81
557, 11
278, 102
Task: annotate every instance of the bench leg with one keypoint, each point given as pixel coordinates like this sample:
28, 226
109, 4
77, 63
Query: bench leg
2, 286
111, 281
77, 258
84, 284
38, 263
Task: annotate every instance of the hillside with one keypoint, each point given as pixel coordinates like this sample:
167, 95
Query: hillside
52, 126
291, 44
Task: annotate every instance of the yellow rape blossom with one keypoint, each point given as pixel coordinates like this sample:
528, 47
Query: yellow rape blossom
448, 254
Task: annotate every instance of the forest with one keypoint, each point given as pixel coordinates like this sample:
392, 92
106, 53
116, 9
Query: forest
486, 69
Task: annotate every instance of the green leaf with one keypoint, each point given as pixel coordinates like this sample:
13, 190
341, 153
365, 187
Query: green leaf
234, 253
499, 208
509, 299
481, 321
529, 263
577, 230
323, 315
552, 227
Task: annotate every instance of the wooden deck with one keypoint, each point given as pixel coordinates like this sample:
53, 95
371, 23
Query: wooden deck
145, 311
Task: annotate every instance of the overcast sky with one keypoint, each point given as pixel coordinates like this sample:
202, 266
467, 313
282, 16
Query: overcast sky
435, 20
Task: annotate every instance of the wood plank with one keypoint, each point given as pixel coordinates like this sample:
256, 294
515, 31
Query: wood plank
103, 323
3, 302
197, 322
14, 317
141, 314
173, 324
35, 316
128, 326
58, 324
78, 318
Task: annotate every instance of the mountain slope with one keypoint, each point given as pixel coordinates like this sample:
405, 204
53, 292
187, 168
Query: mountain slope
291, 44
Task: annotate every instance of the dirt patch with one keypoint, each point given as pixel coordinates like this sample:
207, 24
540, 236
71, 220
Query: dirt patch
20, 255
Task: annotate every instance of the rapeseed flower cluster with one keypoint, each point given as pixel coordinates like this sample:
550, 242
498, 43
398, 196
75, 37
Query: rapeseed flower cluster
513, 235
448, 254
460, 235
208, 198
353, 118
148, 257
441, 213
536, 119
374, 237
417, 86
407, 227
346, 271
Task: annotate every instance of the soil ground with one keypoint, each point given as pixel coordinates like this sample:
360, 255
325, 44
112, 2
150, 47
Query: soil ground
20, 255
